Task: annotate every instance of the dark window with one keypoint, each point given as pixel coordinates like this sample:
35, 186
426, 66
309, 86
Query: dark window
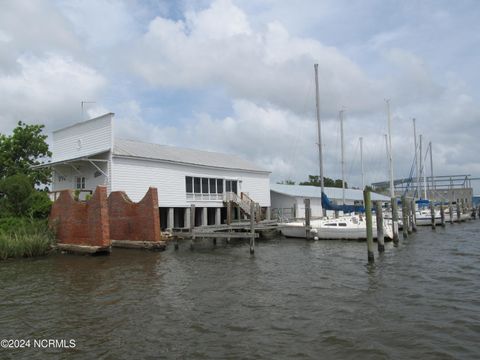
188, 184
342, 224
219, 186
213, 187
228, 185
234, 186
196, 185
204, 185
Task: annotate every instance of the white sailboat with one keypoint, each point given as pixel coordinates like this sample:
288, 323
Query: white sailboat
345, 227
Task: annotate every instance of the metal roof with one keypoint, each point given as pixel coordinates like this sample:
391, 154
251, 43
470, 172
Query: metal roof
308, 191
137, 149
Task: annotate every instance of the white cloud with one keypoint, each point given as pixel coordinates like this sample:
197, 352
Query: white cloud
46, 90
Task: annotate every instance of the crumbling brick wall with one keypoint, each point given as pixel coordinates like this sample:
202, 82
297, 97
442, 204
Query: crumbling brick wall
81, 223
134, 221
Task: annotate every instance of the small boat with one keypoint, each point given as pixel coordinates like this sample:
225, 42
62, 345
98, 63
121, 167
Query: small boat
349, 227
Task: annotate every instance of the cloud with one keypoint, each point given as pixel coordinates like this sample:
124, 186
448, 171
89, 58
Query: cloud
46, 89
268, 66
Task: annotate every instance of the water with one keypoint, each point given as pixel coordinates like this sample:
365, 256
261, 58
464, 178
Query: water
293, 299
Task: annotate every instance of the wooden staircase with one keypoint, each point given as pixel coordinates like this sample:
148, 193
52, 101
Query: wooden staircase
244, 203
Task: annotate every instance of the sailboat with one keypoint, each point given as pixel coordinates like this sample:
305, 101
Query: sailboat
345, 227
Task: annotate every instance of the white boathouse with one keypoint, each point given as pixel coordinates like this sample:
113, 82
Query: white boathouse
288, 200
87, 154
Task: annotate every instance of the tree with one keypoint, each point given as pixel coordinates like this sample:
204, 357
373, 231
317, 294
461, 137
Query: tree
314, 180
19, 198
25, 148
286, 182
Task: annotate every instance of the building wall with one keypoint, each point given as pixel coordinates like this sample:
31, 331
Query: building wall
64, 176
82, 139
135, 176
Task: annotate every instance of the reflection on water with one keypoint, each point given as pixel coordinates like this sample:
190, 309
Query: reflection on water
293, 299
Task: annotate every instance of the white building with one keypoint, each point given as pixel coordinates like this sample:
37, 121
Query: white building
288, 200
87, 154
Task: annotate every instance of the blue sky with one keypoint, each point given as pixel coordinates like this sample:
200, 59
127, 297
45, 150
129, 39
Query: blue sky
237, 76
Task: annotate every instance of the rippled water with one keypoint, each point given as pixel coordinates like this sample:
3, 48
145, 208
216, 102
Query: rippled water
293, 299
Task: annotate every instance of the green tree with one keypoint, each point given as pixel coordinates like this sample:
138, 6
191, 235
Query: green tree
19, 198
314, 180
286, 182
25, 148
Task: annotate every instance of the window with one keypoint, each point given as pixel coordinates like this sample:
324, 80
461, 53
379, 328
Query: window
204, 185
228, 185
80, 183
213, 188
196, 185
189, 184
219, 186
234, 186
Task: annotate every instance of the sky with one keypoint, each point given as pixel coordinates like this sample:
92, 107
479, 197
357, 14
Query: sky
237, 76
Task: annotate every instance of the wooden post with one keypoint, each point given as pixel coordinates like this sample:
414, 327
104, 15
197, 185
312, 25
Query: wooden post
395, 221
368, 219
459, 213
404, 218
192, 225
252, 228
380, 235
442, 215
229, 212
410, 216
414, 216
432, 215
450, 210
307, 218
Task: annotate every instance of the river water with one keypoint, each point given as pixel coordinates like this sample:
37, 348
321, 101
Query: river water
295, 299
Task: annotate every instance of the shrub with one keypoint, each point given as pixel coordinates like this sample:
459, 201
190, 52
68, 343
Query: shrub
21, 237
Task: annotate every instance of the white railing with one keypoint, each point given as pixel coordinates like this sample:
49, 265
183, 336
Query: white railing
204, 197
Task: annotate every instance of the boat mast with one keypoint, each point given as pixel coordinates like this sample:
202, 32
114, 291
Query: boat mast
422, 168
320, 156
343, 155
417, 182
361, 163
431, 166
390, 157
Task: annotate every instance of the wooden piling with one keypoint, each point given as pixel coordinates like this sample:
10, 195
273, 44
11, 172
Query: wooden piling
450, 210
414, 215
252, 227
368, 219
409, 217
459, 213
192, 225
380, 235
307, 218
404, 218
442, 215
432, 215
229, 212
395, 221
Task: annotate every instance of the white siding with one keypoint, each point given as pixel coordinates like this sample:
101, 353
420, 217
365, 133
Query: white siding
135, 176
86, 170
82, 139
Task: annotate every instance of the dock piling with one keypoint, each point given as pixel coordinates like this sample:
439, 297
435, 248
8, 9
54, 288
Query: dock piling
404, 217
414, 215
395, 221
432, 215
307, 218
192, 225
442, 216
252, 228
380, 235
450, 210
459, 213
368, 219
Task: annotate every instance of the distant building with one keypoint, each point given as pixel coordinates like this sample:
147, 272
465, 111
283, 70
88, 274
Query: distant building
87, 154
288, 200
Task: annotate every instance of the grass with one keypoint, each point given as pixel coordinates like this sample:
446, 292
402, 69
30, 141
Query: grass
20, 237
